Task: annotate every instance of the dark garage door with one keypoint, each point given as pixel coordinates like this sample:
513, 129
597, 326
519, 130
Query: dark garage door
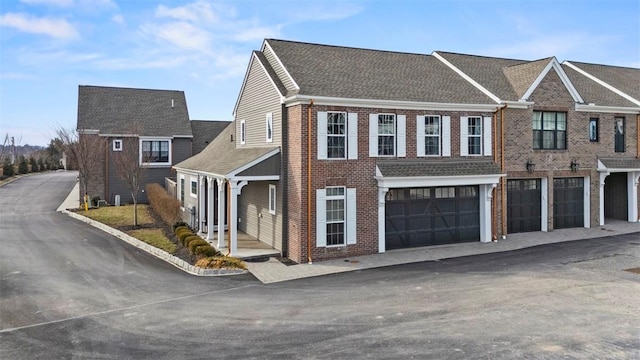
432, 216
568, 203
523, 205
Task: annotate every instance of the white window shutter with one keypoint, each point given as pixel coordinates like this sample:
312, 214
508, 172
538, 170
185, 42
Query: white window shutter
464, 134
486, 135
322, 135
420, 136
352, 136
351, 231
446, 136
373, 135
401, 135
321, 218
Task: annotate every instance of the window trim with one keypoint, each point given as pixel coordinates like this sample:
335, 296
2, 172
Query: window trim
350, 216
191, 188
394, 135
158, 139
351, 132
594, 130
272, 199
269, 127
555, 131
119, 146
616, 120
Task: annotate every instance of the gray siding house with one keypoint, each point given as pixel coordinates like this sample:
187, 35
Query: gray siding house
158, 120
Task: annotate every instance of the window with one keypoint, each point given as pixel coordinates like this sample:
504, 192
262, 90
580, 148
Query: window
269, 121
387, 135
181, 190
117, 145
619, 135
272, 199
335, 216
194, 188
155, 152
475, 135
593, 130
337, 135
549, 130
434, 135
243, 131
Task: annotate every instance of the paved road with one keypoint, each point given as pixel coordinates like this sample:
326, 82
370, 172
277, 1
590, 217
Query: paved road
68, 291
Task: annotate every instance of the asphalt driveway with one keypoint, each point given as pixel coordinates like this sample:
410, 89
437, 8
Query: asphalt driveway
69, 291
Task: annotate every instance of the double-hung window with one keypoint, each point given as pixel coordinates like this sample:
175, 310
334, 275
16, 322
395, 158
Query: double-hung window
434, 135
243, 131
549, 130
194, 188
619, 135
181, 190
387, 135
337, 135
272, 199
335, 216
475, 135
155, 152
269, 127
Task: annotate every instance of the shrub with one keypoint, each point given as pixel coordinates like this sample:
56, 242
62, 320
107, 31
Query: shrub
180, 224
180, 229
7, 168
23, 168
221, 262
206, 251
165, 205
182, 235
195, 243
189, 239
34, 164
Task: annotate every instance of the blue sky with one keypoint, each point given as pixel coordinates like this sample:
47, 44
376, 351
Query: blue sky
49, 47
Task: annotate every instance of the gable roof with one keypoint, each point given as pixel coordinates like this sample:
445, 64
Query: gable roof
354, 73
113, 111
606, 85
221, 157
204, 132
521, 76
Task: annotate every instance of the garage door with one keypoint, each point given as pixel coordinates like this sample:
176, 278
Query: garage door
568, 203
523, 205
432, 216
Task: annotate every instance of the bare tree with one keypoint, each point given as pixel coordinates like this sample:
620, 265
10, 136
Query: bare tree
87, 149
129, 165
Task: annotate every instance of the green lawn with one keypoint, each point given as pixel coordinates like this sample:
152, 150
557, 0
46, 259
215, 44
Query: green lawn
116, 216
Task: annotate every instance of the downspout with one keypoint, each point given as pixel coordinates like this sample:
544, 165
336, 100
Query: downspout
228, 210
638, 135
503, 179
284, 164
494, 208
309, 260
106, 172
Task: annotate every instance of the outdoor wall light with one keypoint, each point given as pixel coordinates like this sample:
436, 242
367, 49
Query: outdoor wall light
530, 165
574, 165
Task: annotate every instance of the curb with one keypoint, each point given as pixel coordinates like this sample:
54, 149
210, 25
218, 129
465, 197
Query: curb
152, 250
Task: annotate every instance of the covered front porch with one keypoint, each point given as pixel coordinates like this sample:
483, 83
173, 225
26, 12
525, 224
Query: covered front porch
248, 247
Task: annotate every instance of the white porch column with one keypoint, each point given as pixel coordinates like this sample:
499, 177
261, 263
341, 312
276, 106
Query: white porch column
210, 209
201, 203
236, 188
485, 212
382, 196
632, 189
603, 175
544, 210
221, 212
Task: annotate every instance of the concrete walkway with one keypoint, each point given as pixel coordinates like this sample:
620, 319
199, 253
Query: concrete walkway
273, 271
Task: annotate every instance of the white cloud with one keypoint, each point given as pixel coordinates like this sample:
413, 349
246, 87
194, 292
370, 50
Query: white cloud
56, 28
256, 33
180, 34
199, 11
323, 11
61, 3
118, 19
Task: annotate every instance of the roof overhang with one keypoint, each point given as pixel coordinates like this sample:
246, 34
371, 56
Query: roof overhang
233, 174
393, 104
607, 109
441, 173
618, 165
555, 65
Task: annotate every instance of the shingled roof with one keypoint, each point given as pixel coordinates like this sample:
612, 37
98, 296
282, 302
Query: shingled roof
221, 156
353, 73
428, 168
204, 132
113, 110
624, 79
593, 92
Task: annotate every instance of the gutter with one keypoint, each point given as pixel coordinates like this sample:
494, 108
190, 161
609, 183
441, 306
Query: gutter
309, 260
503, 180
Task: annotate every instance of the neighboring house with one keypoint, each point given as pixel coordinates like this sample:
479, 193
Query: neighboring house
158, 120
338, 152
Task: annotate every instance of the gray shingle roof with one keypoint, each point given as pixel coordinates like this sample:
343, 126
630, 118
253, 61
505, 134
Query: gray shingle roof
221, 156
618, 163
592, 92
624, 79
204, 131
421, 168
334, 71
521, 76
113, 110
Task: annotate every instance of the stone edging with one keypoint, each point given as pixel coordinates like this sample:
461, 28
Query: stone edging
160, 254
